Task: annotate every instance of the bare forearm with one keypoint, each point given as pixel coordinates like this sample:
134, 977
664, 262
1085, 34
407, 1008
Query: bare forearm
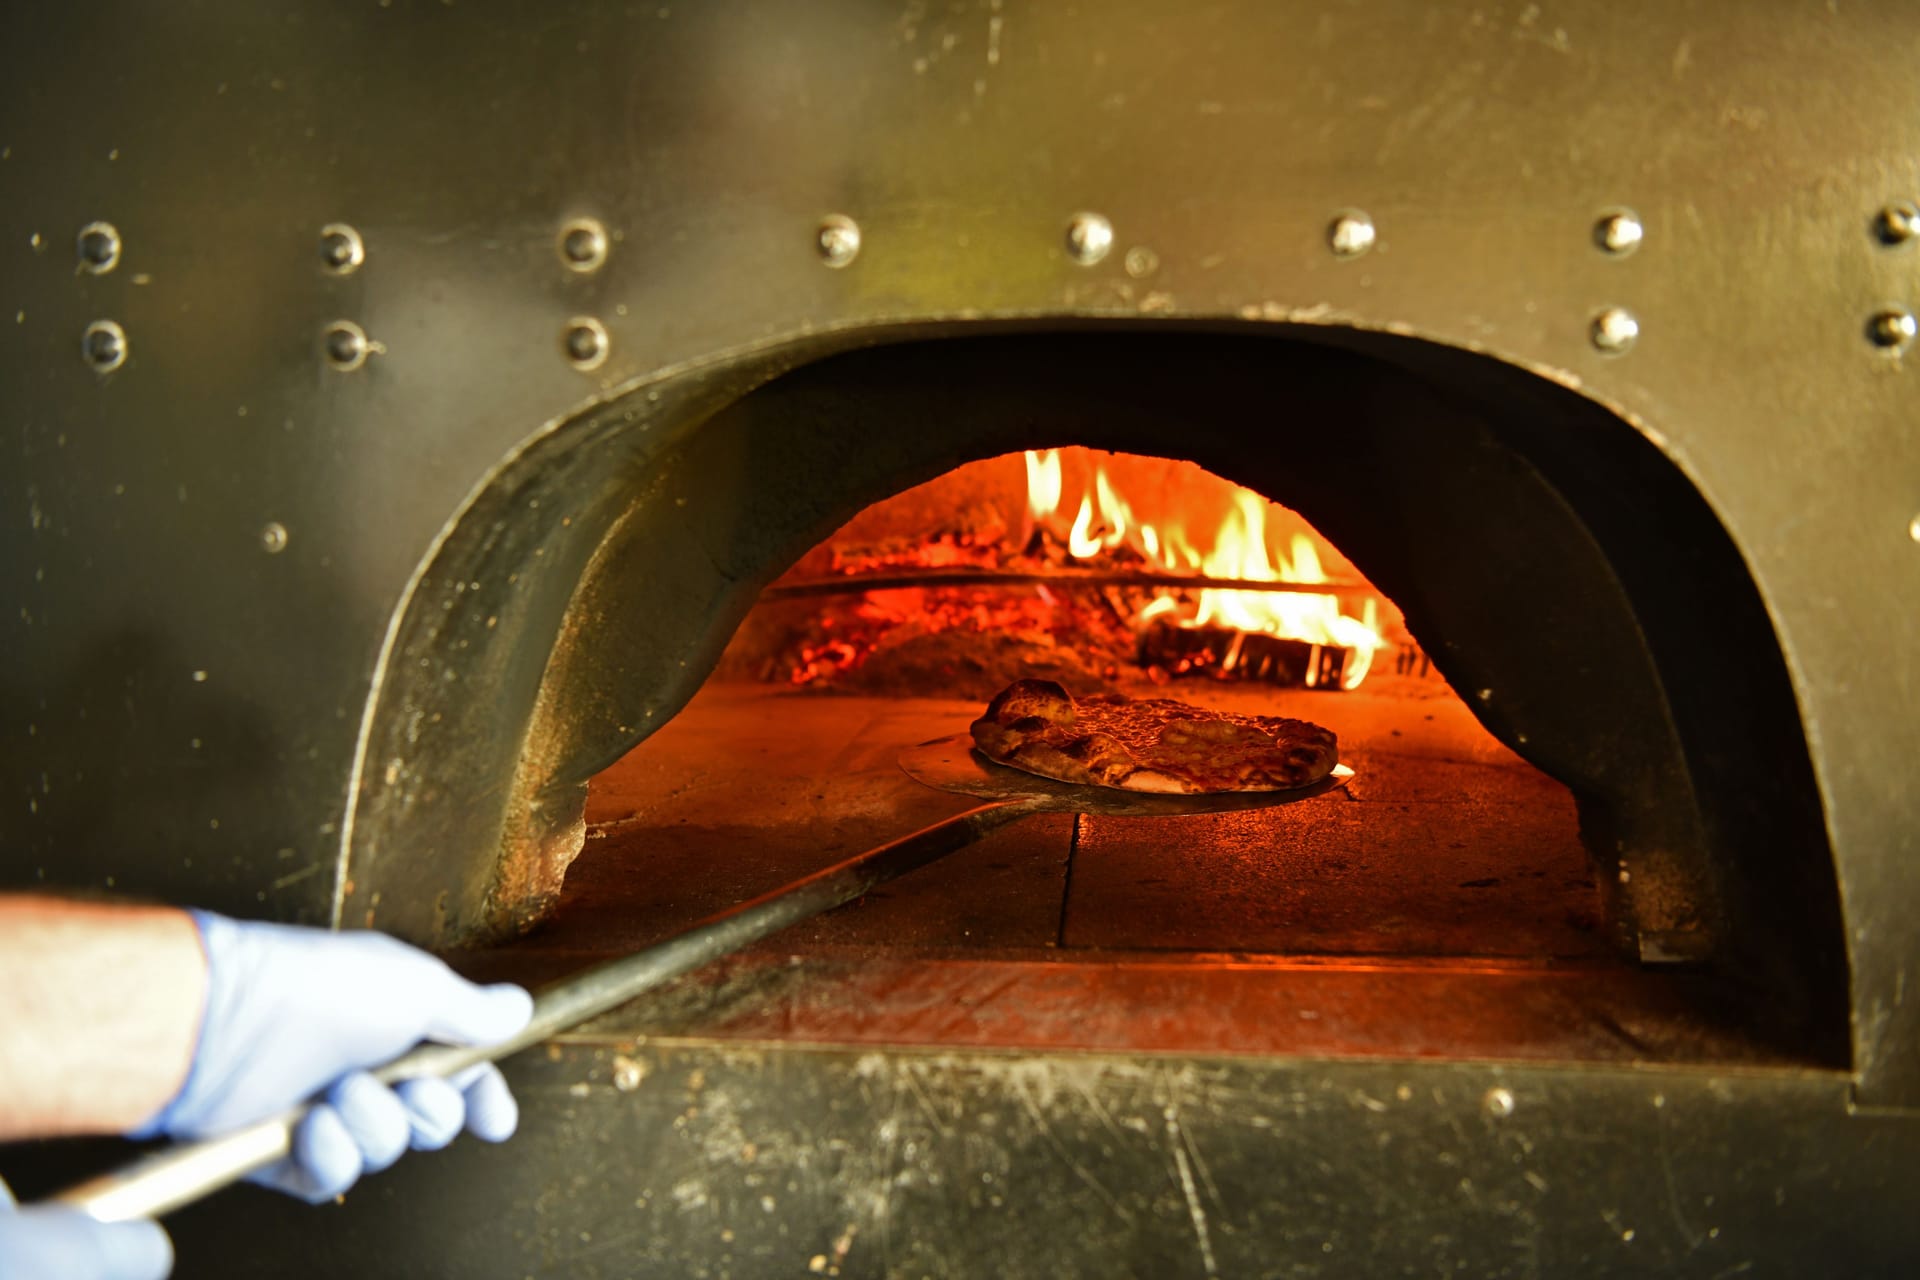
99, 1012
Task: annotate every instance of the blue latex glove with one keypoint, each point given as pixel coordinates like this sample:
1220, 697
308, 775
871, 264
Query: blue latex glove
293, 1013
52, 1242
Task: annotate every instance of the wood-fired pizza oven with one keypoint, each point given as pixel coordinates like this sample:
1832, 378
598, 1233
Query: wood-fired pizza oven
441, 440
1587, 614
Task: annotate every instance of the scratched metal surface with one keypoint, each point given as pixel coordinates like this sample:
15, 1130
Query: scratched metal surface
190, 711
669, 1159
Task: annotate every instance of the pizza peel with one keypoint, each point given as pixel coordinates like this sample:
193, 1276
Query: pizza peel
183, 1172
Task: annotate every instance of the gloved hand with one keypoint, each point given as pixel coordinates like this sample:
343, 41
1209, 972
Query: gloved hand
49, 1241
291, 1011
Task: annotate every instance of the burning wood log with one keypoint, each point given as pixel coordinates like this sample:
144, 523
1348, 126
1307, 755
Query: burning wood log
1226, 654
1108, 559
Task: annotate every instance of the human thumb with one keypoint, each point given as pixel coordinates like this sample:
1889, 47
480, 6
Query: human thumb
54, 1242
462, 1013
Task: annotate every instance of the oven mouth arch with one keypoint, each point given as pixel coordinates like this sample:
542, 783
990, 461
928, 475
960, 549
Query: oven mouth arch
1543, 549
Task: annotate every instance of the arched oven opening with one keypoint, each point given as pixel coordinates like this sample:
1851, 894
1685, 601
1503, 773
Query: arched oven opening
1584, 827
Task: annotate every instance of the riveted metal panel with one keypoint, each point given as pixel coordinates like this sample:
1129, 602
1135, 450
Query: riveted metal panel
701, 1160
185, 705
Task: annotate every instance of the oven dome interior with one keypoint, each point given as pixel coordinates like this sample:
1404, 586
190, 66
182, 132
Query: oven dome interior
1555, 565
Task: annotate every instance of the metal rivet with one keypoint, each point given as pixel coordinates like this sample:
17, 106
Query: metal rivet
1892, 328
104, 344
1619, 232
1089, 238
585, 343
346, 345
341, 248
273, 538
583, 245
1897, 223
1141, 262
98, 245
1351, 233
1615, 330
1913, 528
1498, 1102
838, 240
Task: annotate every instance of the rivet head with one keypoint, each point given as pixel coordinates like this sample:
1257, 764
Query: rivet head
583, 245
346, 345
585, 343
273, 538
1498, 1102
104, 344
98, 247
1897, 222
1351, 233
1619, 232
1615, 330
1892, 328
837, 240
341, 248
1089, 238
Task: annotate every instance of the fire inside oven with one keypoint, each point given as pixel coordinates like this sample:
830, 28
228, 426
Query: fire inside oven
1454, 898
1106, 573
1095, 570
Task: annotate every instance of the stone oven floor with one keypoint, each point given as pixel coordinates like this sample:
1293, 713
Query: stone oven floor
1441, 905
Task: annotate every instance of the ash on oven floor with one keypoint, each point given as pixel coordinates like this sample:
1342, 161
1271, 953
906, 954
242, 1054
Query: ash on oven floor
1445, 845
1443, 899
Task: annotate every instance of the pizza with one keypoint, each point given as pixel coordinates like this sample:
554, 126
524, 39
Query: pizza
1149, 744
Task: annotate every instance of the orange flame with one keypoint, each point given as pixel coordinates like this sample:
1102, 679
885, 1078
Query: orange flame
1043, 484
1104, 522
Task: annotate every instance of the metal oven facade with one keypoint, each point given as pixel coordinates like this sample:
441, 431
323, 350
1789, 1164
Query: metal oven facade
405, 404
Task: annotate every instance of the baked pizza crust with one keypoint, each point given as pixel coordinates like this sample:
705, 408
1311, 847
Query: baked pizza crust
1149, 744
